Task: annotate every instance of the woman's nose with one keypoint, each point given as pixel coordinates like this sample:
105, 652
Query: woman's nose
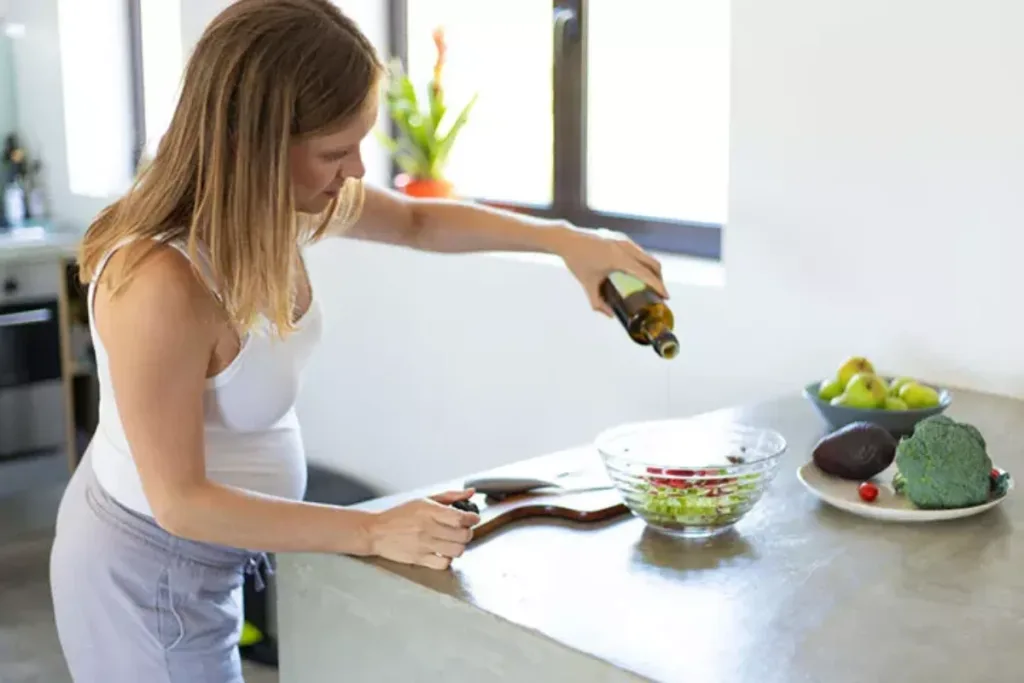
355, 167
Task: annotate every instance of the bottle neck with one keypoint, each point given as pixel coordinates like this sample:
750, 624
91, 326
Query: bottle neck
662, 339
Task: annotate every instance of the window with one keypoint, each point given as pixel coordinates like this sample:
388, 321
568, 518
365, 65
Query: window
157, 63
158, 69
503, 52
608, 114
93, 41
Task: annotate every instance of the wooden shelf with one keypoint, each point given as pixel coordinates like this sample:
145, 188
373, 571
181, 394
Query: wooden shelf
81, 396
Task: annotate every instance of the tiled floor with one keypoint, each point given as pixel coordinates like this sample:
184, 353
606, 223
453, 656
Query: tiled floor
29, 651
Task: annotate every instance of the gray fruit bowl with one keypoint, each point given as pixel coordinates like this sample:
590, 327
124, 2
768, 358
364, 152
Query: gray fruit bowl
897, 422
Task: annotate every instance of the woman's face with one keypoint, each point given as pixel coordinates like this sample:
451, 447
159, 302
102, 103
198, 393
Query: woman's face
321, 164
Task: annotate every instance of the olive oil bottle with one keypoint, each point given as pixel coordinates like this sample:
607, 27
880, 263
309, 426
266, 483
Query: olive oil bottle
642, 311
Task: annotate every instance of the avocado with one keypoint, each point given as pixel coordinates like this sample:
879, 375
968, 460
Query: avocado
858, 451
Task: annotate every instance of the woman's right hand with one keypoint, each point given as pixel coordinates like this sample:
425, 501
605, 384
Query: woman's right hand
427, 532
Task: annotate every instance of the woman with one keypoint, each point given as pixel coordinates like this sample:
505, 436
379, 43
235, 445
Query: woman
202, 317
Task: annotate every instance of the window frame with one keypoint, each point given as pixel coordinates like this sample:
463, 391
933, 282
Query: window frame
569, 200
138, 82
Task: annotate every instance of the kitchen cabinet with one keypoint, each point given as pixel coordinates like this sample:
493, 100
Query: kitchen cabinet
48, 395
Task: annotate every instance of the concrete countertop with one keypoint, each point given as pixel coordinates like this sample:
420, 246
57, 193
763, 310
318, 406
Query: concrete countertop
798, 592
37, 244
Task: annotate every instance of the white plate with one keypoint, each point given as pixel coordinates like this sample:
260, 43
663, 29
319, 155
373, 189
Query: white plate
888, 507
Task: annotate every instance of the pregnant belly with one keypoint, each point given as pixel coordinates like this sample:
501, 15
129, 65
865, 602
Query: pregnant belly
272, 462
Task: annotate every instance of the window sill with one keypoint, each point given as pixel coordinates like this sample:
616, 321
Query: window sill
677, 269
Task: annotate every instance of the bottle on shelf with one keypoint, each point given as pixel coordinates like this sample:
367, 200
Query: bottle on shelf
642, 311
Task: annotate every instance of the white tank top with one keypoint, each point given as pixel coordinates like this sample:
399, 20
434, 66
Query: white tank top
252, 434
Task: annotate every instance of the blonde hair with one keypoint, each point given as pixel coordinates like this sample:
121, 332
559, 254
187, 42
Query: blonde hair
264, 74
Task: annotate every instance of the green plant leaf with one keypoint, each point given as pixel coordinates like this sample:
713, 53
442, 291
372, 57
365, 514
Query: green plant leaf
410, 165
437, 107
388, 142
407, 156
444, 146
418, 148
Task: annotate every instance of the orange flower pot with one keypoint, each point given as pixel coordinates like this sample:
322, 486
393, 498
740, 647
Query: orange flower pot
414, 187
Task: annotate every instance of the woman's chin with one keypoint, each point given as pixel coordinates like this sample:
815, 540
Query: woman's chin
315, 204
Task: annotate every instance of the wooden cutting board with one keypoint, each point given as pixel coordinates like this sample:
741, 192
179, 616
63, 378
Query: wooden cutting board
581, 508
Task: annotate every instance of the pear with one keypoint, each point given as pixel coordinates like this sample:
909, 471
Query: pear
829, 389
895, 403
897, 384
853, 366
917, 395
865, 391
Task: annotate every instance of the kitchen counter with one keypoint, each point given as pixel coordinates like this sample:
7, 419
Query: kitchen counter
797, 592
37, 244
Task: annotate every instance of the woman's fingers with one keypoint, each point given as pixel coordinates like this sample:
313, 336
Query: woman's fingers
649, 278
431, 561
455, 519
642, 265
443, 544
598, 303
449, 497
444, 532
449, 531
447, 548
423, 532
648, 260
443, 513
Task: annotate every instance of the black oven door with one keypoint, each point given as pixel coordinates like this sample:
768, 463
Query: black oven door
29, 343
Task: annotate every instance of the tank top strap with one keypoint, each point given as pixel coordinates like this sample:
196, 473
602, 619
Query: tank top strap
201, 264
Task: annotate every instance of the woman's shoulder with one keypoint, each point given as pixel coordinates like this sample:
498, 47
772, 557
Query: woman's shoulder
150, 276
156, 323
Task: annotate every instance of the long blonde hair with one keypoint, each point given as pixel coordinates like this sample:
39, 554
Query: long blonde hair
264, 74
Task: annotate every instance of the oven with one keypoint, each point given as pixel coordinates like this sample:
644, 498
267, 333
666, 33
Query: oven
32, 410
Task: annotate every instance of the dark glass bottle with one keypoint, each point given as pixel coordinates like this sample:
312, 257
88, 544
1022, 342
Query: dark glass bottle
642, 311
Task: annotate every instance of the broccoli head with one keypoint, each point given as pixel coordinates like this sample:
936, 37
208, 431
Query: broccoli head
944, 464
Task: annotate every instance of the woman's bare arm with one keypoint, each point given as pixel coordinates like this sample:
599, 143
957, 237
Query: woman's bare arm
449, 226
159, 335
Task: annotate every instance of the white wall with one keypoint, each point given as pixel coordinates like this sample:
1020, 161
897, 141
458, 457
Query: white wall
876, 172
877, 158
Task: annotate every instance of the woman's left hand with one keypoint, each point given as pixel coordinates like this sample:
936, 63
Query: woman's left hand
592, 255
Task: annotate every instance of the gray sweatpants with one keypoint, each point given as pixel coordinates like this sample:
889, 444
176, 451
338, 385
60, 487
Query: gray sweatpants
135, 604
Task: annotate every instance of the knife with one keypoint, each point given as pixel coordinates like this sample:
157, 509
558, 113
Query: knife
502, 487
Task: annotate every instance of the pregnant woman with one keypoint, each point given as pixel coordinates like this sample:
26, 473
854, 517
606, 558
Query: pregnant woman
202, 319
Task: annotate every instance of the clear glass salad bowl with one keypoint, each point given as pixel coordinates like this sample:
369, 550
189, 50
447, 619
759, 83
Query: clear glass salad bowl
690, 478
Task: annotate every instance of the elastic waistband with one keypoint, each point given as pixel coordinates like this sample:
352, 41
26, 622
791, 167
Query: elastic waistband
147, 530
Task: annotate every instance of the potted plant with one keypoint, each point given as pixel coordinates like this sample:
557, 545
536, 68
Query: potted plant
423, 140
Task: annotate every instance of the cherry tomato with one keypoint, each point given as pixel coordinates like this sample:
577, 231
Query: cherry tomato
680, 473
868, 491
995, 473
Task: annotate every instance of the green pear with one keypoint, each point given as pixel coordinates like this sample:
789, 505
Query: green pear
853, 366
864, 391
829, 389
895, 403
917, 395
854, 400
897, 384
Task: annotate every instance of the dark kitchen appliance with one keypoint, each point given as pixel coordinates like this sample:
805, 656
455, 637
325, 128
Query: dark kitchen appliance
32, 410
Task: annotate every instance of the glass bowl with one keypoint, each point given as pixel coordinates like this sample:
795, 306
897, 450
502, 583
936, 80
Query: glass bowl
690, 478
